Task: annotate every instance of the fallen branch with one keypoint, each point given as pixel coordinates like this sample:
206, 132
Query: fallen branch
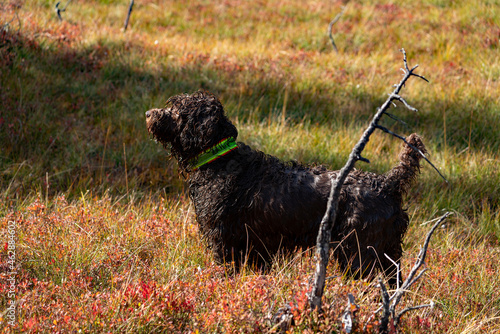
339, 15
59, 10
413, 148
325, 229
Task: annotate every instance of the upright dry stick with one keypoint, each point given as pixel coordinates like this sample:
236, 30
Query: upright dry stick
60, 10
325, 229
390, 307
128, 15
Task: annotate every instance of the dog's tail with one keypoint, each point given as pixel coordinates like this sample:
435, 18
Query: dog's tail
402, 176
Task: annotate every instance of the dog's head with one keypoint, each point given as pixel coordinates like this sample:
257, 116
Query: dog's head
190, 124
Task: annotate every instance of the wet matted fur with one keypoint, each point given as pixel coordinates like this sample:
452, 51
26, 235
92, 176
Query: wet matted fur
250, 205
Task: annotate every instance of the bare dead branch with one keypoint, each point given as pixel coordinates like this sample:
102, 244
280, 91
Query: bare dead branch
399, 98
423, 252
348, 314
413, 148
384, 322
325, 229
360, 158
128, 14
407, 70
419, 275
396, 119
397, 266
331, 25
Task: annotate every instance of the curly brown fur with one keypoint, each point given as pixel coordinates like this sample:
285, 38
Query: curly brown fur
250, 206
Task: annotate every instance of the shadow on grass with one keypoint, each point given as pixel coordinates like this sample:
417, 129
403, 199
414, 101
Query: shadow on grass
73, 120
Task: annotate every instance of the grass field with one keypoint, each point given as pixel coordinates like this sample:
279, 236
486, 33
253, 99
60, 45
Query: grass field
105, 238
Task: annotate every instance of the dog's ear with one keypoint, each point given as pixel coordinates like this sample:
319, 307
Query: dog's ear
215, 126
212, 104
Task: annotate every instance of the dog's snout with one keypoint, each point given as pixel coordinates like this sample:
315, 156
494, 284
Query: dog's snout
148, 113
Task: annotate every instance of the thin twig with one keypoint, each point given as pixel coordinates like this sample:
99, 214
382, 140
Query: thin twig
125, 162
331, 25
384, 322
399, 98
396, 119
423, 252
413, 148
398, 271
410, 280
413, 308
419, 275
128, 14
325, 229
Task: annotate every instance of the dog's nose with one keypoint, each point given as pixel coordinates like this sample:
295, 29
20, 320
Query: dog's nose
148, 113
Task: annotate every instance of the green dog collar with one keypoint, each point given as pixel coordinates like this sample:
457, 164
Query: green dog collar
223, 147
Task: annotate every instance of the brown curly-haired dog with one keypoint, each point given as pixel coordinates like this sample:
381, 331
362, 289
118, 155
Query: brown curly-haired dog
250, 206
